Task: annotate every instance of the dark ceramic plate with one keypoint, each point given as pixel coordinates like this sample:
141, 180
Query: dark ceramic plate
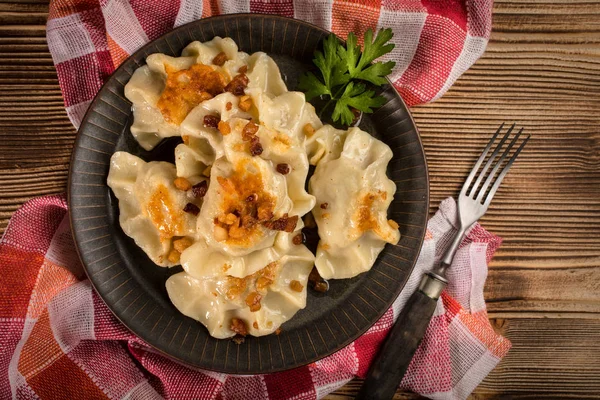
134, 288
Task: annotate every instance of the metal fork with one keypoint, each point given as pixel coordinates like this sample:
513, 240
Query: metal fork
393, 358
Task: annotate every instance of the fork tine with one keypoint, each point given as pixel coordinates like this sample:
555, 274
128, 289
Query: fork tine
479, 161
492, 192
487, 165
492, 174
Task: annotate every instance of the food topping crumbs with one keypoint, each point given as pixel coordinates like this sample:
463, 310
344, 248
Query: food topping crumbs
308, 130
283, 168
285, 223
245, 103
238, 326
298, 239
220, 59
181, 244
199, 189
187, 88
296, 286
324, 206
182, 184
253, 301
174, 256
224, 128
191, 208
237, 84
211, 121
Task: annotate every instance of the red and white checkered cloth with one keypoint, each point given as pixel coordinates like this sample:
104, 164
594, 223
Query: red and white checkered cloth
58, 340
436, 40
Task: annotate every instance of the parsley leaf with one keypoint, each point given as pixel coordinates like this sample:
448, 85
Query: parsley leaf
344, 68
355, 96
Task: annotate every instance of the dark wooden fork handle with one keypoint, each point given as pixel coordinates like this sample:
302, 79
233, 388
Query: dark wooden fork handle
391, 363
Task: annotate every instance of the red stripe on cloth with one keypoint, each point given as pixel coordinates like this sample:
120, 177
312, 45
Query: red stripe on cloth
430, 370
482, 330
480, 17
106, 325
354, 16
246, 387
62, 8
284, 8
279, 384
117, 54
63, 379
403, 6
155, 16
439, 47
368, 344
175, 381
19, 269
454, 10
94, 25
82, 77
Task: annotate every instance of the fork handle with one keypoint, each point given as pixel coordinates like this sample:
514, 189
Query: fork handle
393, 359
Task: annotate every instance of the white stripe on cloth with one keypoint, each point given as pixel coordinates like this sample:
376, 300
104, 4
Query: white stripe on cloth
234, 6
143, 391
77, 112
71, 314
317, 12
189, 10
68, 38
473, 48
17, 381
62, 249
123, 26
406, 37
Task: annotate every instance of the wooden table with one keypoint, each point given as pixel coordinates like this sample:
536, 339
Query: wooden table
541, 70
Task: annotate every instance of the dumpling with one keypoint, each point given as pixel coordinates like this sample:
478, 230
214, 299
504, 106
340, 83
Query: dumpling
167, 89
151, 208
256, 304
246, 198
353, 195
325, 144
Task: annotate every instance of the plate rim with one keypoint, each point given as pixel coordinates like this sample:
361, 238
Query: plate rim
72, 223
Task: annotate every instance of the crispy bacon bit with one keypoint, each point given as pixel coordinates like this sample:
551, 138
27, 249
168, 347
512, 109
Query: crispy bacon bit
298, 239
243, 69
211, 121
318, 283
238, 326
186, 139
224, 128
191, 208
173, 256
326, 215
181, 244
220, 59
324, 206
285, 223
263, 282
220, 233
231, 219
264, 213
308, 130
237, 84
283, 169
277, 331
256, 148
228, 106
237, 232
255, 325
237, 339
393, 224
253, 301
199, 189
249, 131
182, 184
252, 197
296, 286
245, 103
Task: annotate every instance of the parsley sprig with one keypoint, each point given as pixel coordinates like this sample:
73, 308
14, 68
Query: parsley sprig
345, 71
